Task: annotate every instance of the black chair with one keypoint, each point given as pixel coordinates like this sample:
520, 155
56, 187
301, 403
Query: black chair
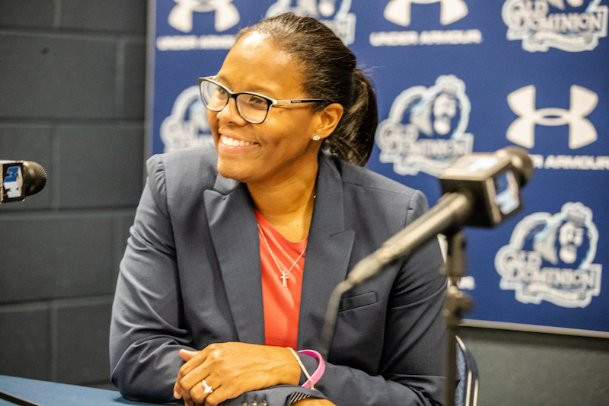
466, 393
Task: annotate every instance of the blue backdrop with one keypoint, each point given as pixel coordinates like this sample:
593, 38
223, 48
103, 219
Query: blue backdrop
453, 77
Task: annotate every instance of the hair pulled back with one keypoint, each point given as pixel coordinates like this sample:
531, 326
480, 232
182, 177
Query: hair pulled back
330, 73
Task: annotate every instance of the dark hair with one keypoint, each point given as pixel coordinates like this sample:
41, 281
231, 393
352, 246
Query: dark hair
330, 73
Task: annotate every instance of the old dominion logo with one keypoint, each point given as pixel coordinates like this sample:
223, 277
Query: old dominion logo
334, 13
187, 125
550, 257
568, 25
426, 128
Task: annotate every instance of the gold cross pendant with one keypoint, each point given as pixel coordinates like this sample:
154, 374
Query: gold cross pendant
284, 279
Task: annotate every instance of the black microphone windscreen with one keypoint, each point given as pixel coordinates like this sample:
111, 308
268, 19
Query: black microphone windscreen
36, 177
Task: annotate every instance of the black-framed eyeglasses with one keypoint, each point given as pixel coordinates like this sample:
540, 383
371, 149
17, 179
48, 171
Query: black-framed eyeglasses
253, 107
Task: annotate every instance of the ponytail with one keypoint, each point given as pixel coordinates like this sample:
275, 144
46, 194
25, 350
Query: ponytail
353, 138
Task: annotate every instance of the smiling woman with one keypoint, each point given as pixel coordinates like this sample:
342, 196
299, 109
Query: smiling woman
280, 148
235, 249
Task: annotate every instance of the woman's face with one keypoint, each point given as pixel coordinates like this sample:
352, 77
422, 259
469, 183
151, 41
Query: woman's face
280, 148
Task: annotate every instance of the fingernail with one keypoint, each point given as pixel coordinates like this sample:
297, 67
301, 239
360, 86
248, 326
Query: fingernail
177, 395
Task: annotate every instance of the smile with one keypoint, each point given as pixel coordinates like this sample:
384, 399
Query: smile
233, 142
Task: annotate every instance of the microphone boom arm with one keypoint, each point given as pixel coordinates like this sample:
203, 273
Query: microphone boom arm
453, 208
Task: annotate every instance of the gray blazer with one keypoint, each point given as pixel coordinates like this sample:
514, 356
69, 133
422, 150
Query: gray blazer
190, 276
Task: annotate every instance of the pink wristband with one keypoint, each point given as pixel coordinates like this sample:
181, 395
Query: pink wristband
321, 368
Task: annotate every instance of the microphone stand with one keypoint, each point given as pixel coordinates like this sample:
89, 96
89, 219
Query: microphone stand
456, 302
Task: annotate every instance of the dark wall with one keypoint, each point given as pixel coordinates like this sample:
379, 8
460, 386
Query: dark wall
72, 99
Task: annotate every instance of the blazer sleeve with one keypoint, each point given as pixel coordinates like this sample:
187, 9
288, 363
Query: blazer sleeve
413, 358
144, 334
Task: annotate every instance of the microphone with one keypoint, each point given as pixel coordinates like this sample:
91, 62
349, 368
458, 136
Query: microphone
480, 189
19, 179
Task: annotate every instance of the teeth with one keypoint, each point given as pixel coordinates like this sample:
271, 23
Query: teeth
234, 142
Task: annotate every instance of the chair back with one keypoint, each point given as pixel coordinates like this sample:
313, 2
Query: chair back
466, 393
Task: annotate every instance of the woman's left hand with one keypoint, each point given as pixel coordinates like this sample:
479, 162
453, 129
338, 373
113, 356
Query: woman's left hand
232, 369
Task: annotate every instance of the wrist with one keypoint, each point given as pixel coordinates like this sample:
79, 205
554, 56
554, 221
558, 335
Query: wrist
290, 373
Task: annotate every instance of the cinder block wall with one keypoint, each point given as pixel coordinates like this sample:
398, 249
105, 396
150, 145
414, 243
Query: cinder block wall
72, 99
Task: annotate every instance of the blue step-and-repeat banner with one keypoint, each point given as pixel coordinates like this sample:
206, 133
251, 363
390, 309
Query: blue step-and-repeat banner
453, 77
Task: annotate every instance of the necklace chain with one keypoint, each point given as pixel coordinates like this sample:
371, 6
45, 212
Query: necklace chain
285, 275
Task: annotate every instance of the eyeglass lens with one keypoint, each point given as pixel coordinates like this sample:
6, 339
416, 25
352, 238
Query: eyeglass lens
251, 107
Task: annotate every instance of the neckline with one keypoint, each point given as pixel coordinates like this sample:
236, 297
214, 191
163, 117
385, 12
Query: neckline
268, 227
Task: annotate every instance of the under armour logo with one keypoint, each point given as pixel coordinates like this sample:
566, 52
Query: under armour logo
398, 11
315, 8
327, 7
226, 16
581, 130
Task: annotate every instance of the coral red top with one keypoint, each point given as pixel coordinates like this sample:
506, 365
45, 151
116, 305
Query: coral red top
281, 303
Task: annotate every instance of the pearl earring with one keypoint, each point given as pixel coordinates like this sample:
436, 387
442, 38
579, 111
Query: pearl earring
316, 137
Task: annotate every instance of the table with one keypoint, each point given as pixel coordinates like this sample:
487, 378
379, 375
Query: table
59, 394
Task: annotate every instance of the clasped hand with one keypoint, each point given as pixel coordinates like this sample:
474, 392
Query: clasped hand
231, 369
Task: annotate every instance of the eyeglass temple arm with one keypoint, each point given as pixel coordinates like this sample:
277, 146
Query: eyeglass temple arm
287, 102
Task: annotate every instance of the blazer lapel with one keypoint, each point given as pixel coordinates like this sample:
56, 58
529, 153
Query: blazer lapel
328, 253
234, 234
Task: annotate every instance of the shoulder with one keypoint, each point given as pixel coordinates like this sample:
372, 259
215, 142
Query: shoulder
378, 188
184, 161
184, 169
372, 205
